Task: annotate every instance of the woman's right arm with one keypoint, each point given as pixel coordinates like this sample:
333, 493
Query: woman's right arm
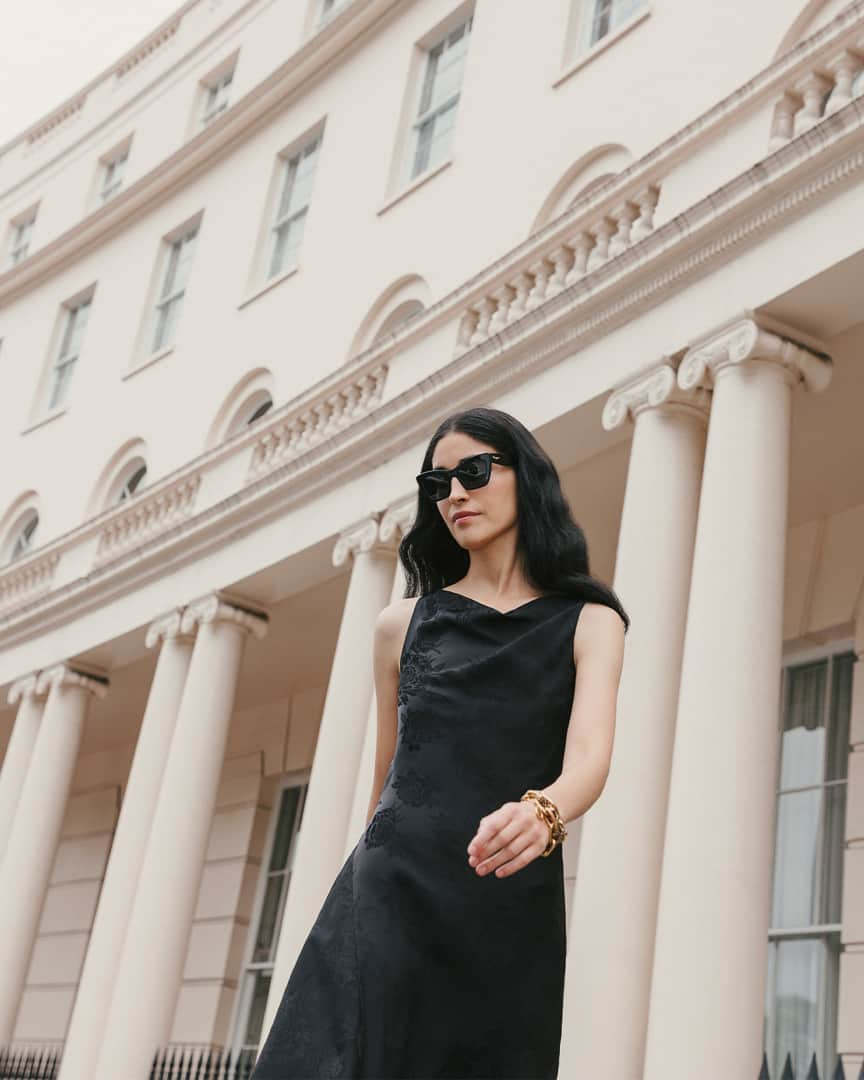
390, 629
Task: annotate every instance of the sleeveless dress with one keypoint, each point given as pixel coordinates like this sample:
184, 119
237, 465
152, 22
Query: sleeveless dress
416, 966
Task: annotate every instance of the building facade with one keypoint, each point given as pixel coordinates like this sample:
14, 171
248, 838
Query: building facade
245, 272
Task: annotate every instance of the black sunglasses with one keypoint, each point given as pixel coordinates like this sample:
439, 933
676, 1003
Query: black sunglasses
473, 472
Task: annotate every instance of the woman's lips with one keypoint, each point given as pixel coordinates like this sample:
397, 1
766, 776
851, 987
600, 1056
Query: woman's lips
464, 517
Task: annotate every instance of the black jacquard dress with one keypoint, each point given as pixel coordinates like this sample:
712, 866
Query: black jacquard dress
416, 966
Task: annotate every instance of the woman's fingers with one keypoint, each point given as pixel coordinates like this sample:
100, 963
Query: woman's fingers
513, 846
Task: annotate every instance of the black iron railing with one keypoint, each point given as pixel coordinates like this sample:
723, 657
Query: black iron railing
30, 1062
812, 1072
172, 1063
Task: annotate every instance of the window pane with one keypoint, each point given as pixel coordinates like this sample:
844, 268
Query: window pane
803, 740
831, 884
256, 1009
797, 1004
267, 924
841, 706
285, 827
795, 858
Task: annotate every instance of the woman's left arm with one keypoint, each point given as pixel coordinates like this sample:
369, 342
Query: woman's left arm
513, 836
598, 651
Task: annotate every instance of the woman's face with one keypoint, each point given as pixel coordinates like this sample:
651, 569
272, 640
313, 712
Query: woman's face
493, 507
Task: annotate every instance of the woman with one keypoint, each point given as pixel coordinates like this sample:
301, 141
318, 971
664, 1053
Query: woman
439, 950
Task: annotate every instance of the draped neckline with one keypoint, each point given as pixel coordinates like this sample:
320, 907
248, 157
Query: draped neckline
498, 611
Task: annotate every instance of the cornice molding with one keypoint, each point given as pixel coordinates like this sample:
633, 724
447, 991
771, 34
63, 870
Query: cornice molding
805, 171
744, 340
657, 388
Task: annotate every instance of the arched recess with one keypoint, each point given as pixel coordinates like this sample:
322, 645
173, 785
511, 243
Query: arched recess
406, 297
121, 471
250, 399
590, 171
812, 16
18, 520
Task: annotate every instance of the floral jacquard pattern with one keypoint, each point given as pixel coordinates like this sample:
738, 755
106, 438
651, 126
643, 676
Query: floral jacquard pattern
416, 966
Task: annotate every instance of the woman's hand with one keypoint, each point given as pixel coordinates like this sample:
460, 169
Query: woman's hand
508, 839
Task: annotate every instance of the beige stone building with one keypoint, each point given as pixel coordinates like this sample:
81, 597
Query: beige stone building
245, 272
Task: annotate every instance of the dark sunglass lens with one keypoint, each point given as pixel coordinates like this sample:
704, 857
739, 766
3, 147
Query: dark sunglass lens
474, 472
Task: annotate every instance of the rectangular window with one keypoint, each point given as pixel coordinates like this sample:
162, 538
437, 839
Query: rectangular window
216, 95
287, 229
432, 130
19, 246
70, 349
607, 15
264, 931
804, 940
112, 176
174, 282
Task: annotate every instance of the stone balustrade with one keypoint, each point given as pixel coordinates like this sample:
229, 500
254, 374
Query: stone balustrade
304, 428
600, 235
24, 582
831, 85
146, 518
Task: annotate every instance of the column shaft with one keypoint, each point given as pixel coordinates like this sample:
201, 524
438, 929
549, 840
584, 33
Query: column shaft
19, 751
321, 840
117, 895
32, 842
150, 968
707, 995
614, 906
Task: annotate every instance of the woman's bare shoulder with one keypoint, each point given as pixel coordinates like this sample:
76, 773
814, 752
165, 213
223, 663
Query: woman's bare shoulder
392, 623
599, 626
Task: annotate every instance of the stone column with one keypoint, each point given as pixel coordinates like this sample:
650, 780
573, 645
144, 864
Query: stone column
396, 521
32, 842
150, 967
850, 1036
614, 906
711, 946
117, 895
17, 758
321, 839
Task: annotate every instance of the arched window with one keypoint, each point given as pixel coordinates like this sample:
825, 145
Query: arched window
131, 480
22, 537
257, 411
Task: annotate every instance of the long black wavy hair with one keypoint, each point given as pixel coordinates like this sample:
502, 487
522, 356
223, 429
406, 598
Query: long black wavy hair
550, 545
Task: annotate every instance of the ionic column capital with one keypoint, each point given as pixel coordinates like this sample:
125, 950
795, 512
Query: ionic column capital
650, 390
216, 607
357, 540
64, 674
397, 519
26, 686
746, 340
166, 627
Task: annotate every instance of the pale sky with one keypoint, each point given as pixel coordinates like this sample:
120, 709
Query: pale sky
51, 48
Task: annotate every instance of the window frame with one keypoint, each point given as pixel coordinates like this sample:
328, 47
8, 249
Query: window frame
425, 92
829, 935
111, 182
250, 968
170, 297
282, 220
28, 519
65, 359
20, 227
215, 95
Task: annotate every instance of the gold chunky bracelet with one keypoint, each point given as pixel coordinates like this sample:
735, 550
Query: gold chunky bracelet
547, 811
